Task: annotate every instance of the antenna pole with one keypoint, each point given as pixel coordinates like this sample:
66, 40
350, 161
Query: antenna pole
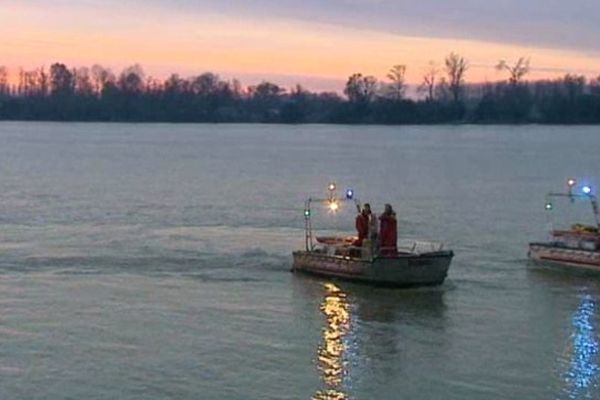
596, 210
308, 226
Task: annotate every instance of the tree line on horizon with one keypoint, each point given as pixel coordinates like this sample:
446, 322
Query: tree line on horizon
97, 94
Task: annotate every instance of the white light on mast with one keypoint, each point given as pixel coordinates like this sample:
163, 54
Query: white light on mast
334, 206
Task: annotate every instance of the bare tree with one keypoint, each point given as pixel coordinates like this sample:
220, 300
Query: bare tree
595, 86
43, 82
360, 89
442, 91
29, 82
62, 82
21, 82
266, 90
298, 90
397, 86
573, 86
517, 71
83, 82
236, 88
205, 84
3, 80
429, 80
132, 80
101, 77
153, 85
456, 67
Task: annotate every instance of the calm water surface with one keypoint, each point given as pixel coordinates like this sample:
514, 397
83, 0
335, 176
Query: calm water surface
152, 262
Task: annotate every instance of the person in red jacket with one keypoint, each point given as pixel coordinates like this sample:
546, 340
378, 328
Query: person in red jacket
388, 231
362, 225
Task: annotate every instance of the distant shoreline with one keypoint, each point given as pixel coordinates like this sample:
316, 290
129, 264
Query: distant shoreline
441, 124
97, 95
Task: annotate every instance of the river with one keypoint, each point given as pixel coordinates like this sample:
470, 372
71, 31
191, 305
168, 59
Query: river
152, 261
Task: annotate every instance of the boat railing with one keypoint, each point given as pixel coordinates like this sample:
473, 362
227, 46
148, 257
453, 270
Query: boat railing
419, 246
333, 247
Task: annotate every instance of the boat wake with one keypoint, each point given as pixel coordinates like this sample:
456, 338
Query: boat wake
251, 265
218, 252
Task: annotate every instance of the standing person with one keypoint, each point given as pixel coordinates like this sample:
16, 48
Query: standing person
374, 233
362, 225
373, 225
388, 231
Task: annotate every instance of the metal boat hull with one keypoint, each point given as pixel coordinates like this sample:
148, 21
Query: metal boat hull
564, 256
399, 271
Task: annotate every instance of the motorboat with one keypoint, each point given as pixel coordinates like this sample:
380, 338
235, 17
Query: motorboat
577, 247
412, 263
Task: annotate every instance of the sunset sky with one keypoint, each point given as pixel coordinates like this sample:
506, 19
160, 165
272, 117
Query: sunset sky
314, 42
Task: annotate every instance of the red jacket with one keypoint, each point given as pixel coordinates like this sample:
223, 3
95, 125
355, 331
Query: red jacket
362, 227
388, 233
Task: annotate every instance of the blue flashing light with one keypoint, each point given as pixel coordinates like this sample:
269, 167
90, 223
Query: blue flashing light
349, 194
586, 189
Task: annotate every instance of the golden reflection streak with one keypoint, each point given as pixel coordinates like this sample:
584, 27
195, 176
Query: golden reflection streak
331, 351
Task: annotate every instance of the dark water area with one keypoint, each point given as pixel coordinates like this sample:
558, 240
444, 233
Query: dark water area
151, 261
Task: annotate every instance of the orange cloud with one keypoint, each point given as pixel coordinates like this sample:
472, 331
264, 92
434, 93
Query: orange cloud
193, 44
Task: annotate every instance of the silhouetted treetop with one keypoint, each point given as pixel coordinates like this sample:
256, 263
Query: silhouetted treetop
98, 94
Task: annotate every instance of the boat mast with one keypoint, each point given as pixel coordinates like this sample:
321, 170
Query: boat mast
332, 202
308, 226
586, 193
594, 201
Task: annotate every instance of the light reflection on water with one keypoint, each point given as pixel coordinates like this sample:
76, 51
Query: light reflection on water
331, 352
581, 377
145, 236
